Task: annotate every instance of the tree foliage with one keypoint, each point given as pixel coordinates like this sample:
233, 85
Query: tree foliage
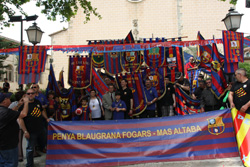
246, 66
231, 1
51, 8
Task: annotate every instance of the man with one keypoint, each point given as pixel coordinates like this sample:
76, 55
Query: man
208, 100
167, 102
127, 97
198, 91
152, 96
6, 86
9, 130
183, 83
32, 125
39, 96
107, 99
239, 95
190, 66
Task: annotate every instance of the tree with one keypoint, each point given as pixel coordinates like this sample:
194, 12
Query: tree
4, 44
231, 1
246, 66
52, 8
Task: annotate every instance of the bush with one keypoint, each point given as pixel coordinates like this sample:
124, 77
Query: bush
245, 66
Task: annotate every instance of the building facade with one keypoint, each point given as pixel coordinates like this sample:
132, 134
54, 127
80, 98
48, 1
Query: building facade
146, 19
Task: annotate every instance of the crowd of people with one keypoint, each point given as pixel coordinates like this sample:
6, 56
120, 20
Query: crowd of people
32, 110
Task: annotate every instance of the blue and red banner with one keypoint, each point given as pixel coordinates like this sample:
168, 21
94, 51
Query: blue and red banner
174, 62
115, 143
80, 72
193, 79
97, 59
156, 76
112, 63
52, 83
32, 61
233, 46
61, 78
131, 61
219, 83
185, 104
129, 38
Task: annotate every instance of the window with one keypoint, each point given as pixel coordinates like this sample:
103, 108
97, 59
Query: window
10, 73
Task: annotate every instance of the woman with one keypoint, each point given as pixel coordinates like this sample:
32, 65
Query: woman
95, 106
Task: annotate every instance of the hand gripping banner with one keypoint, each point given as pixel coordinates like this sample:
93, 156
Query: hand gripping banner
80, 72
201, 136
131, 61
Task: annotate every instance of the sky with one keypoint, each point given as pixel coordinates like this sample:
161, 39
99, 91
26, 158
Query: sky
50, 27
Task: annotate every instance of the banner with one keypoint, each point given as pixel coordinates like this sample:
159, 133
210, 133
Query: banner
97, 60
193, 79
115, 143
61, 78
241, 123
80, 73
52, 83
156, 76
174, 62
31, 63
233, 46
112, 63
185, 104
219, 83
131, 61
135, 83
154, 57
129, 38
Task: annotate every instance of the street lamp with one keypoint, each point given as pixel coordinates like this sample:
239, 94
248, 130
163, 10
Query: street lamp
34, 34
232, 20
20, 19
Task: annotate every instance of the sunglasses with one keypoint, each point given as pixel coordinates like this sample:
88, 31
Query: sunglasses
30, 93
33, 87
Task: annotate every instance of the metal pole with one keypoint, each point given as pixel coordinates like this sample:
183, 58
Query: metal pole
21, 44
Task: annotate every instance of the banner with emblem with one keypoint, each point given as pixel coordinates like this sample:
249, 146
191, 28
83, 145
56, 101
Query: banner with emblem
112, 62
156, 76
219, 83
241, 123
80, 72
193, 79
233, 46
154, 57
131, 61
185, 105
135, 83
31, 63
97, 59
201, 136
174, 62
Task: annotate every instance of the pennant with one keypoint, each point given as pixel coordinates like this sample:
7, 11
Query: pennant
52, 83
127, 142
129, 38
185, 104
131, 61
97, 59
219, 83
156, 76
154, 57
29, 78
241, 123
61, 79
233, 46
80, 73
112, 63
174, 62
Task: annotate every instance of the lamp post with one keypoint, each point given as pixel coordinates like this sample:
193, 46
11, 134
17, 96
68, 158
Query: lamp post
20, 19
34, 34
232, 20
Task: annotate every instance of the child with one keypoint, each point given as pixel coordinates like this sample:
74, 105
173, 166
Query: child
118, 107
52, 107
83, 113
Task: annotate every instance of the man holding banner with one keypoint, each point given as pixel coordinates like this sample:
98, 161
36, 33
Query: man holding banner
239, 95
127, 97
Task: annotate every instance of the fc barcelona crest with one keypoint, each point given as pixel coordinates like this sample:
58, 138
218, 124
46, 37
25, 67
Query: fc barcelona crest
32, 59
153, 79
215, 66
216, 126
79, 70
205, 57
130, 56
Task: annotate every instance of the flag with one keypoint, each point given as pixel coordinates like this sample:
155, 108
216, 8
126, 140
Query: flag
219, 83
156, 76
129, 38
112, 63
185, 104
194, 80
97, 59
52, 83
131, 61
201, 136
80, 72
241, 123
61, 79
32, 60
174, 62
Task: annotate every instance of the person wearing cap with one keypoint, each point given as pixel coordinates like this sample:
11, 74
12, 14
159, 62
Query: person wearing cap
183, 83
118, 107
32, 125
152, 96
9, 127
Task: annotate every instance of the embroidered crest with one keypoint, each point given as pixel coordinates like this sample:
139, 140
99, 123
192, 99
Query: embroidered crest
216, 126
